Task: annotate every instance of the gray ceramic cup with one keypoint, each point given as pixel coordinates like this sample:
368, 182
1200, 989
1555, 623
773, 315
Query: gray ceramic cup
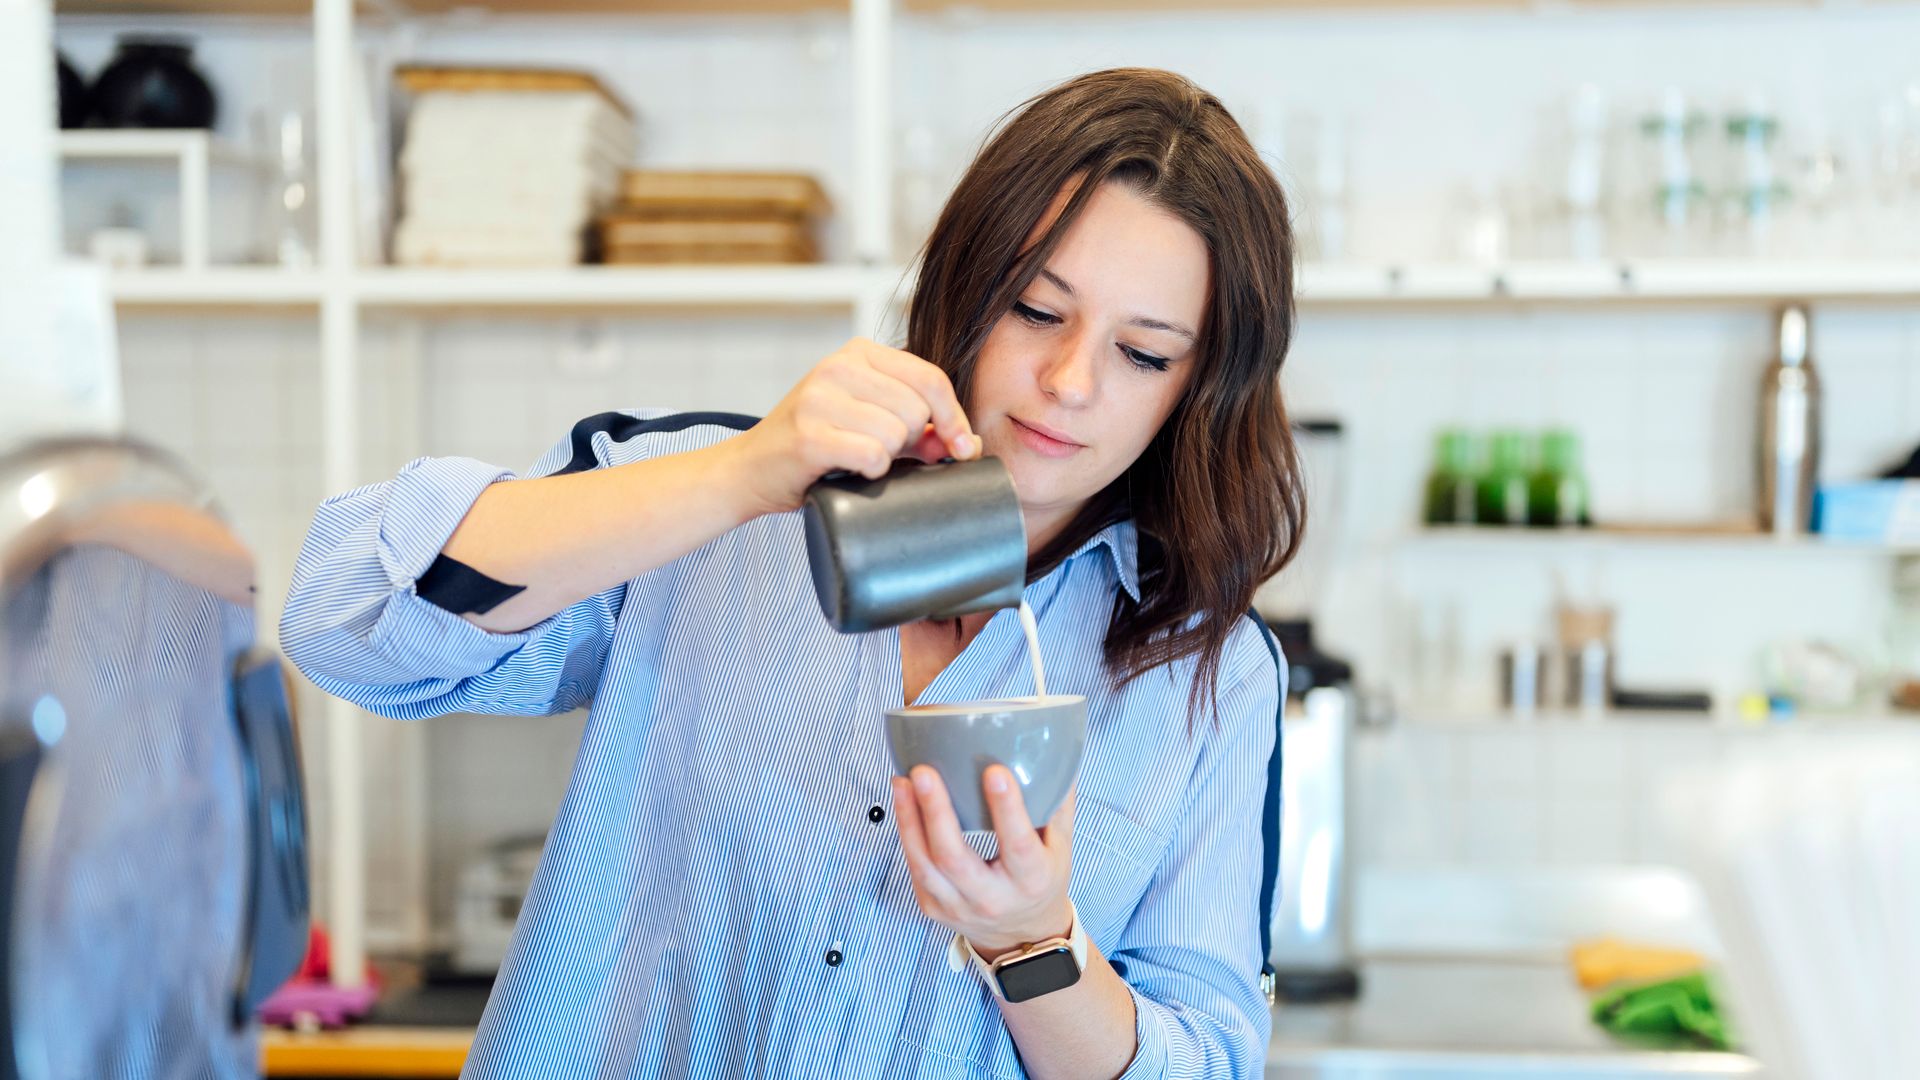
1038, 739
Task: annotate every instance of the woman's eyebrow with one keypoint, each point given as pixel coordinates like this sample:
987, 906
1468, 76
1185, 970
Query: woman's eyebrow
1143, 321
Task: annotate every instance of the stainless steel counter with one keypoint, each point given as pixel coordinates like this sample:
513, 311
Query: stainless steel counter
1445, 1018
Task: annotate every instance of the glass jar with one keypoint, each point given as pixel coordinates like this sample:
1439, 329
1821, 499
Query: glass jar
1503, 487
1450, 496
1557, 495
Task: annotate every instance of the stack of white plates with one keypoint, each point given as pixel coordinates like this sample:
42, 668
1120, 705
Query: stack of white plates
1808, 848
507, 178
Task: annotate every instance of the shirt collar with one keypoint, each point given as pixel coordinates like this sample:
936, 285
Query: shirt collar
1122, 546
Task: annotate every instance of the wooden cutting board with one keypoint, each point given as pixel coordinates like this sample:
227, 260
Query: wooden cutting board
431, 78
685, 194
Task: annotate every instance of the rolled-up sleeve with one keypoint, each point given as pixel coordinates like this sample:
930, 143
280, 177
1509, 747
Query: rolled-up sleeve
355, 624
1190, 953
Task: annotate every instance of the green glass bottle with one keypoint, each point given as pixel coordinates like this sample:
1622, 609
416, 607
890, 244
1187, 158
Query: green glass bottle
1503, 487
1450, 486
1557, 495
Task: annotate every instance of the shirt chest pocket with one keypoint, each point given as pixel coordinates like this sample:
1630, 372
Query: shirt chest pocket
1114, 858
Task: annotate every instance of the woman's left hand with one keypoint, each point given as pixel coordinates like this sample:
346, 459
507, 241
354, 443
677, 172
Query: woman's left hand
1018, 898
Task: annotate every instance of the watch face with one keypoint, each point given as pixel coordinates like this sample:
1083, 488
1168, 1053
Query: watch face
1026, 979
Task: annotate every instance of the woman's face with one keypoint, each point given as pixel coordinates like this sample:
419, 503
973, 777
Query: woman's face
1075, 381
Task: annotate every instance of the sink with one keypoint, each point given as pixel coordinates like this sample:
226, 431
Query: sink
1449, 1018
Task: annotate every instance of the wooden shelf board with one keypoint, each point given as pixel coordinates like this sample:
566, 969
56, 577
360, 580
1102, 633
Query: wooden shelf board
223, 287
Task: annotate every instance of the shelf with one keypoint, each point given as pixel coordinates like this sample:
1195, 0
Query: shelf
605, 287
182, 7
1629, 281
303, 8
1320, 285
234, 287
1494, 540
1557, 721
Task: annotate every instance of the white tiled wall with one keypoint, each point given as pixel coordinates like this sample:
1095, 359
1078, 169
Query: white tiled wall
234, 396
1549, 798
1662, 397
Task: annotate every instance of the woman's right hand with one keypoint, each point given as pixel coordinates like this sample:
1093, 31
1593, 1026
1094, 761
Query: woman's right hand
858, 410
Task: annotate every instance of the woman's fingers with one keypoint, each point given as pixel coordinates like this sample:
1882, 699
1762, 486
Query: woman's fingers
867, 383
1058, 835
826, 447
949, 419
951, 855
938, 897
866, 418
1022, 853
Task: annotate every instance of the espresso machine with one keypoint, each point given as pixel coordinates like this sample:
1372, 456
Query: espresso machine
1312, 950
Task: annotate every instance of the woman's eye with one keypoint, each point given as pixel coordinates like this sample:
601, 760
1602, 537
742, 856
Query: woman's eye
1145, 359
1034, 315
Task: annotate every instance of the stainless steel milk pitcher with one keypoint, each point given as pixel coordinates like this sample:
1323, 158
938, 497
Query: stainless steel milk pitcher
922, 542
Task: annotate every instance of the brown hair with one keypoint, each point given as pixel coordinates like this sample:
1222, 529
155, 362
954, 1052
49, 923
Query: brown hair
1216, 496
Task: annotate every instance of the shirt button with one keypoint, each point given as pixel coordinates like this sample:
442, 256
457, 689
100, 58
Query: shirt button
834, 958
876, 815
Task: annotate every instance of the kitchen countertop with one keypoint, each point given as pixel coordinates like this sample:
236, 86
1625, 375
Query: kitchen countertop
1418, 1018
1451, 1018
367, 1050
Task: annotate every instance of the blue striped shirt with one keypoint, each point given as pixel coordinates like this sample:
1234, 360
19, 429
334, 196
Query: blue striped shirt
718, 835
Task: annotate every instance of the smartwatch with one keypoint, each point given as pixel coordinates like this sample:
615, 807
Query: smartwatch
1030, 970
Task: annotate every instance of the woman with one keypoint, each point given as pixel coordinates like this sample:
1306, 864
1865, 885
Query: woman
735, 884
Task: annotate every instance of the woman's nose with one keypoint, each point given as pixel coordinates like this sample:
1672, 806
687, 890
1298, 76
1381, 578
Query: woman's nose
1067, 376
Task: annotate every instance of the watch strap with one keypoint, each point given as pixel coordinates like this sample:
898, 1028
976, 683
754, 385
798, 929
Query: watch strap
960, 954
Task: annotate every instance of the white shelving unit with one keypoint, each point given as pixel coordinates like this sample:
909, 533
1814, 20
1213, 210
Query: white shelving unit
1584, 542
1320, 285
339, 292
601, 287
192, 152
342, 292
222, 287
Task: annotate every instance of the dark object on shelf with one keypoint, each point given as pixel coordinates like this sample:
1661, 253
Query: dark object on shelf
73, 94
1308, 987
1307, 666
435, 1004
152, 83
1906, 695
1663, 700
1906, 470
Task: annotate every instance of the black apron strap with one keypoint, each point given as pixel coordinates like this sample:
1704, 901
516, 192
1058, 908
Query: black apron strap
1270, 816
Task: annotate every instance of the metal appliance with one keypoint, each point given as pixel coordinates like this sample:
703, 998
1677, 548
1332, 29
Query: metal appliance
153, 872
1311, 950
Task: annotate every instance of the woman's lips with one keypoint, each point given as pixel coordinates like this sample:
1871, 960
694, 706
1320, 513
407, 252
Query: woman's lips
1044, 443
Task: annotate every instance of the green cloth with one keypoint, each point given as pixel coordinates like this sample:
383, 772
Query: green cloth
1680, 1010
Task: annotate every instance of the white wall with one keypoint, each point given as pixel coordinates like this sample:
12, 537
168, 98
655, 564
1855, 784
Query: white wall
1662, 396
